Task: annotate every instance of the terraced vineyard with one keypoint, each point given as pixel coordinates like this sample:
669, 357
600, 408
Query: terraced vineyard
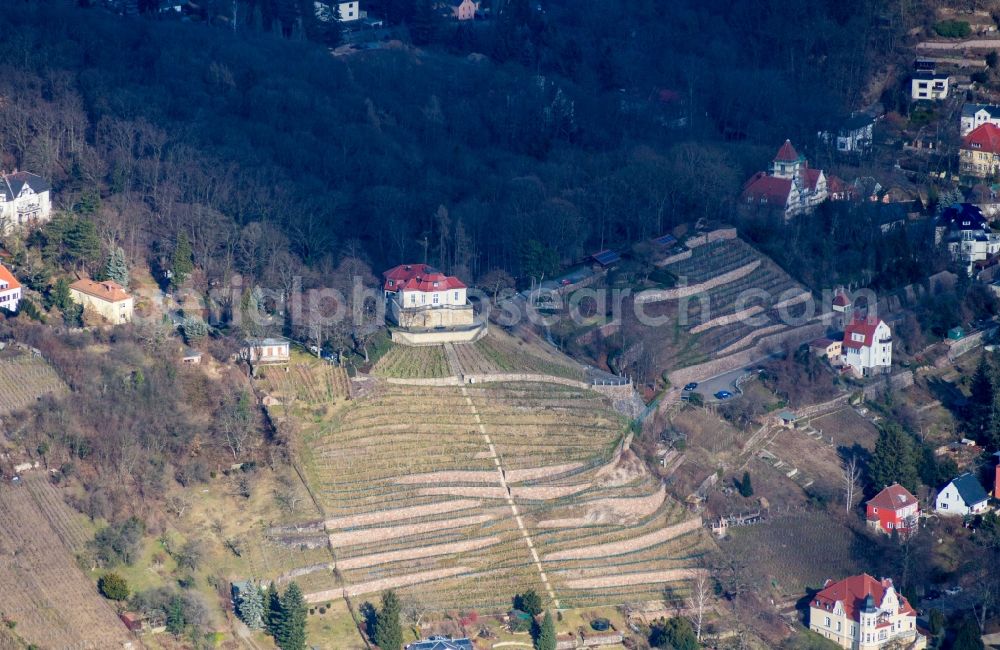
461, 496
307, 380
52, 603
23, 378
499, 352
413, 362
732, 315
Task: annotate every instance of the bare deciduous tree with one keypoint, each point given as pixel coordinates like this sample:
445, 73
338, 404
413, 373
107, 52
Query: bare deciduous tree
698, 599
852, 481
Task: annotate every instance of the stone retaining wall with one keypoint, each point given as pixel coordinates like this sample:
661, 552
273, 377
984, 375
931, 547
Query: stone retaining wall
898, 381
416, 339
693, 289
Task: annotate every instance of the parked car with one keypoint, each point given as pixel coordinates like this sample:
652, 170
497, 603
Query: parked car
690, 387
723, 394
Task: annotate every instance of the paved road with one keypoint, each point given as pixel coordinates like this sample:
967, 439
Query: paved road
726, 381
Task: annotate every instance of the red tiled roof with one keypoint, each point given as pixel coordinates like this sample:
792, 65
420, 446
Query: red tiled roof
774, 190
841, 300
108, 290
8, 277
820, 343
852, 593
865, 326
433, 282
400, 275
985, 137
811, 177
787, 153
894, 497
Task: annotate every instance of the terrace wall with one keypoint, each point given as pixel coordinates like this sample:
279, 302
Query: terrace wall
471, 335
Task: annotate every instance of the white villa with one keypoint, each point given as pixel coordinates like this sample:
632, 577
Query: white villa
24, 201
421, 299
976, 115
862, 613
791, 186
867, 347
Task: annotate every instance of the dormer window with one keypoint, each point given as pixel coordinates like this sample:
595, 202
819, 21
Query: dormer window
976, 145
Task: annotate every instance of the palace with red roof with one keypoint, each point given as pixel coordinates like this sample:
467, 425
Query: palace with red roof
867, 347
893, 509
791, 186
420, 297
10, 290
863, 613
979, 154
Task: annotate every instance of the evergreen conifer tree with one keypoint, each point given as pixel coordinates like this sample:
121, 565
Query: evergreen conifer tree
273, 616
388, 632
250, 607
546, 638
183, 261
116, 268
292, 632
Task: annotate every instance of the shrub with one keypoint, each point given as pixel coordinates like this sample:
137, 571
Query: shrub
953, 29
113, 587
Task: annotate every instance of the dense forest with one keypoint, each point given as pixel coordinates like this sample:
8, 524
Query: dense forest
577, 130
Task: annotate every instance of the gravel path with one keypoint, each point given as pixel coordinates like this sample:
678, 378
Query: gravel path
376, 586
370, 535
415, 553
411, 512
627, 546
625, 579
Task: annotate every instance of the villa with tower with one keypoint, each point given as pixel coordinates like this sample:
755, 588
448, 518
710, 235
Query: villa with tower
790, 187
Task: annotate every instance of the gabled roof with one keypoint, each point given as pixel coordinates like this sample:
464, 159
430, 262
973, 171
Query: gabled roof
811, 177
441, 643
841, 300
13, 184
985, 137
397, 276
774, 190
970, 110
7, 277
265, 341
969, 489
432, 282
821, 343
787, 153
864, 326
894, 497
108, 290
854, 591
963, 216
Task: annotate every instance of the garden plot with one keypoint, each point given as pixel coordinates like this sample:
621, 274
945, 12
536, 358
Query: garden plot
420, 485
406, 362
847, 428
24, 377
52, 603
307, 380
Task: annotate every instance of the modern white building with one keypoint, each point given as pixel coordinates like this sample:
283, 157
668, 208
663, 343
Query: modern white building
10, 290
975, 115
25, 201
346, 12
867, 346
929, 85
962, 496
854, 135
265, 350
863, 613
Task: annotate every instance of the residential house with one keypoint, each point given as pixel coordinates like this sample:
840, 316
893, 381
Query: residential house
791, 187
967, 234
10, 290
976, 115
929, 85
420, 297
979, 155
464, 9
825, 348
854, 135
24, 201
262, 351
893, 509
996, 476
986, 198
962, 496
108, 299
867, 346
863, 613
346, 11
191, 357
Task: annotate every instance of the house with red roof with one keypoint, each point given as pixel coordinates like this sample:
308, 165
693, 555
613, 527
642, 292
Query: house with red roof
10, 290
979, 154
867, 346
419, 297
863, 613
893, 509
790, 187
